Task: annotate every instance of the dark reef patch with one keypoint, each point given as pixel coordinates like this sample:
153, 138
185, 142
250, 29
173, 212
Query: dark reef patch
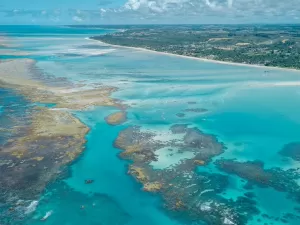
196, 110
180, 115
291, 150
137, 145
254, 172
178, 128
206, 146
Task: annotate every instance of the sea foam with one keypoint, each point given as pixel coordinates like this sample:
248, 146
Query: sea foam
32, 207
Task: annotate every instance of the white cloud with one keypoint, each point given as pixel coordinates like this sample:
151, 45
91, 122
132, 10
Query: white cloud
224, 9
157, 6
77, 19
160, 11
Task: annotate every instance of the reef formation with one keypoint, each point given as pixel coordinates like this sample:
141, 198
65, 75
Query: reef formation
116, 118
187, 192
291, 150
255, 173
171, 167
40, 133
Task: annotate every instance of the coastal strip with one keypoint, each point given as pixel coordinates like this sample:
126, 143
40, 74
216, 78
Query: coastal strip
197, 58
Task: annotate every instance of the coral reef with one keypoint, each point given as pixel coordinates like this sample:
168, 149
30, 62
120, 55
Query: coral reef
291, 150
254, 172
51, 140
116, 118
184, 189
180, 115
179, 128
39, 141
152, 187
196, 110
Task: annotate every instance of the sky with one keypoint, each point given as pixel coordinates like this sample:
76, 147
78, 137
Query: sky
59, 12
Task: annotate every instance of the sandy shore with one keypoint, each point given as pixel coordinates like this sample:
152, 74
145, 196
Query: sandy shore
201, 59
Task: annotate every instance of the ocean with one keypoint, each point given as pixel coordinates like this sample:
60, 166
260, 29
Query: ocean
253, 113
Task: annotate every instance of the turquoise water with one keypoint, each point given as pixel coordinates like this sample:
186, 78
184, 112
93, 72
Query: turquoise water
114, 197
252, 113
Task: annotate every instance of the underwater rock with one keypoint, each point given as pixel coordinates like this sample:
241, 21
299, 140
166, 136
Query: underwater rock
196, 110
138, 173
152, 187
207, 145
89, 181
180, 115
178, 128
199, 162
116, 118
254, 172
291, 150
137, 145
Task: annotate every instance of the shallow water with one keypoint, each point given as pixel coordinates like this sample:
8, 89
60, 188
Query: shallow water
252, 112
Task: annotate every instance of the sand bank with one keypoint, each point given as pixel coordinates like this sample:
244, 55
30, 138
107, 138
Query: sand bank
20, 75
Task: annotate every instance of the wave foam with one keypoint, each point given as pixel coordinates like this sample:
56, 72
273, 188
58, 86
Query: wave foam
32, 207
49, 213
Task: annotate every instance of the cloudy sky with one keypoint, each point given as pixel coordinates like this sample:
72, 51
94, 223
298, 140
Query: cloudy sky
148, 11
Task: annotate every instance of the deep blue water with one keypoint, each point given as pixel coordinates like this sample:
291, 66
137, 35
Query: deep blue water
252, 114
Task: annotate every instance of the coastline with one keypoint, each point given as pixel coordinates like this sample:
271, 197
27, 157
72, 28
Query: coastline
200, 59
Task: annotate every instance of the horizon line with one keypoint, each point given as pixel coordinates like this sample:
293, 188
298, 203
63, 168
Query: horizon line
149, 24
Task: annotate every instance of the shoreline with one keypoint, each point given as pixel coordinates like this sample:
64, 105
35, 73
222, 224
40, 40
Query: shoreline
198, 58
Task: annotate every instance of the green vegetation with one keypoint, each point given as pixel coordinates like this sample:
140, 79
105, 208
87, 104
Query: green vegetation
269, 45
